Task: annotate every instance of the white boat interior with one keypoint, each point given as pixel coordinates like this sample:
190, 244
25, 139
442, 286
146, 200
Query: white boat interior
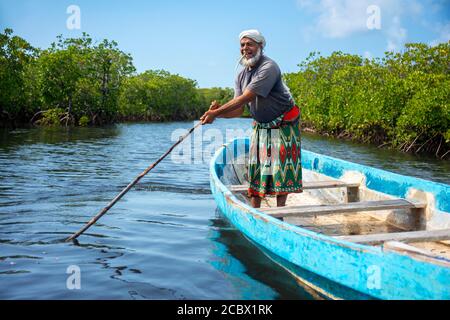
348, 210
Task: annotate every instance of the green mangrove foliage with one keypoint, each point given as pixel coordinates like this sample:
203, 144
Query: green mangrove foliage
79, 82
400, 100
81, 78
16, 55
159, 96
74, 79
221, 95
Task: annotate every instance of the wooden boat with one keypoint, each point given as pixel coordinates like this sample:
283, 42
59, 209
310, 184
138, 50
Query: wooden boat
355, 232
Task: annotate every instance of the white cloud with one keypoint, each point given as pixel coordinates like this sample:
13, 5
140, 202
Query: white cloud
437, 6
337, 18
416, 8
444, 34
305, 3
396, 35
307, 34
367, 55
342, 18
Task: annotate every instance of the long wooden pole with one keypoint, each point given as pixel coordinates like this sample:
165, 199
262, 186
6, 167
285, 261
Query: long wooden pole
127, 188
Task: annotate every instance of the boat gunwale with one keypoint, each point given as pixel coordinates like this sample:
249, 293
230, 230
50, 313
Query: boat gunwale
378, 249
402, 182
264, 216
358, 257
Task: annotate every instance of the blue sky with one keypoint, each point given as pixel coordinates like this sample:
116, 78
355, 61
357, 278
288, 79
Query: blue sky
198, 38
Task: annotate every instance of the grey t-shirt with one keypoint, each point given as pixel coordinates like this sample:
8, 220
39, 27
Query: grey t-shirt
272, 96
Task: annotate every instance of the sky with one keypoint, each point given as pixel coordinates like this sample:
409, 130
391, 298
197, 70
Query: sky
198, 39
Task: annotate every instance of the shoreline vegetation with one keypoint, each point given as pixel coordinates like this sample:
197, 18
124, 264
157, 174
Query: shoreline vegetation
400, 101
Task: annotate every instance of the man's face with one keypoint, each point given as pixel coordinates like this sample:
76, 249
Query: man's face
249, 48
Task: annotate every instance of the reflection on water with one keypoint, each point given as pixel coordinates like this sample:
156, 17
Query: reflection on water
243, 262
56, 135
163, 240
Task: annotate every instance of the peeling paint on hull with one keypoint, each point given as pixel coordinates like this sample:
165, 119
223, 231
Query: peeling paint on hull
370, 270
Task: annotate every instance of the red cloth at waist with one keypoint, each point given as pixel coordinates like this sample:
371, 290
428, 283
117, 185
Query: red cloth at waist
291, 114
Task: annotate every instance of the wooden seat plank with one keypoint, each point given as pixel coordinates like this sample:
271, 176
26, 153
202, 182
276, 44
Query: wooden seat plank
287, 211
306, 185
410, 236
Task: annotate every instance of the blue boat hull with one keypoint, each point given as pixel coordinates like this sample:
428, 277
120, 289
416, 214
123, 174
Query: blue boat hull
370, 270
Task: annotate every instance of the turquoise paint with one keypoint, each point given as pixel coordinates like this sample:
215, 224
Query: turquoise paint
376, 179
349, 264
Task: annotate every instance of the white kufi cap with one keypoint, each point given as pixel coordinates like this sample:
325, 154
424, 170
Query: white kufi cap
254, 35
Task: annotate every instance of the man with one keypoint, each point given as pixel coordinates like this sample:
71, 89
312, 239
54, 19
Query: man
275, 162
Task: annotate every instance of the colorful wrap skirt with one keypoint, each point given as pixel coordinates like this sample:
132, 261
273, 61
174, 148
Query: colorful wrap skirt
275, 158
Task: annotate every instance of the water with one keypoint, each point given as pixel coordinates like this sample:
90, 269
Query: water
164, 240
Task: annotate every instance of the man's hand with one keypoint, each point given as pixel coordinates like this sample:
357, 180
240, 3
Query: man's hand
214, 105
208, 117
234, 107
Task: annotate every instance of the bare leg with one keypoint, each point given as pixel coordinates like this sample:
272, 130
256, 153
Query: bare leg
256, 202
281, 200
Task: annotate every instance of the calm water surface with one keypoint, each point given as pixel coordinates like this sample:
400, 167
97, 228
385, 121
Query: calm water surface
164, 240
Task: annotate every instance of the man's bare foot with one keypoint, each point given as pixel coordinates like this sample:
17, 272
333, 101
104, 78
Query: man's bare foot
281, 200
256, 202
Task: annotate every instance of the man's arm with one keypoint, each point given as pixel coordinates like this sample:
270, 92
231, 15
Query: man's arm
228, 108
233, 114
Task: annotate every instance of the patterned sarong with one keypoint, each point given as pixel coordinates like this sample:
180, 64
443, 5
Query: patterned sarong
275, 158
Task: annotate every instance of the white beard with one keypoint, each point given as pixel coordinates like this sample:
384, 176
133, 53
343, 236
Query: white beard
252, 61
